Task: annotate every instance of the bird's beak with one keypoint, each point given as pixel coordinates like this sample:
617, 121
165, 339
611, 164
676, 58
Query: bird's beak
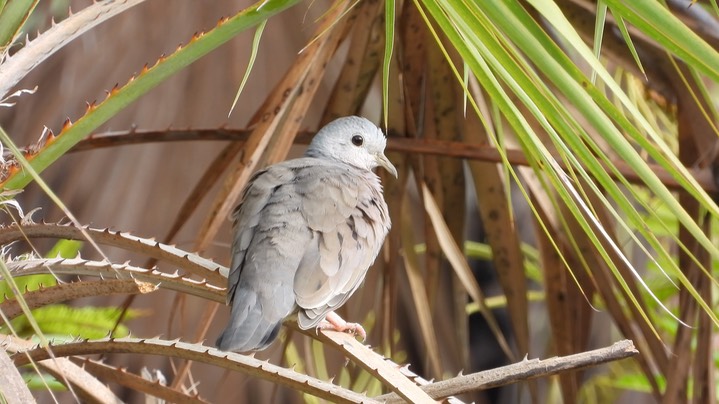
384, 162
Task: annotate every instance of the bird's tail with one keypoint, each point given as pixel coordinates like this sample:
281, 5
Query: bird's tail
250, 328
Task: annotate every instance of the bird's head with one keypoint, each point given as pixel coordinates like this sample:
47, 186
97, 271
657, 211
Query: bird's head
352, 140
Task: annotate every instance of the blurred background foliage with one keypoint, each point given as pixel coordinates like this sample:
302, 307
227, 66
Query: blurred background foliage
557, 186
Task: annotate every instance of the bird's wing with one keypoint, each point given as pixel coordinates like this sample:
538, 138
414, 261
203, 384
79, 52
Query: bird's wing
271, 237
344, 209
245, 218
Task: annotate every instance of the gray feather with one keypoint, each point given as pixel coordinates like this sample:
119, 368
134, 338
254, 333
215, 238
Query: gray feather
305, 234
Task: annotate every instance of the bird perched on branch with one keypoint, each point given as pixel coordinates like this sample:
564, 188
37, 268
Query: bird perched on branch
305, 234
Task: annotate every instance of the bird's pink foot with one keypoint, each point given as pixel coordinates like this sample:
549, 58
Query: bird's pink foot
334, 322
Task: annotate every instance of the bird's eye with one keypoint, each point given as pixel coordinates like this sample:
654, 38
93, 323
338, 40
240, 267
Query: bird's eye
357, 140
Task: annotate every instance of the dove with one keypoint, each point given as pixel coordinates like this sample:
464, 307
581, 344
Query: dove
304, 235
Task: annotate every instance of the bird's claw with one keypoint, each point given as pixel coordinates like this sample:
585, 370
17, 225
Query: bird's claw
335, 323
351, 328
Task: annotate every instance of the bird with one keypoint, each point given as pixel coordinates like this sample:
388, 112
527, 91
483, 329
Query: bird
305, 233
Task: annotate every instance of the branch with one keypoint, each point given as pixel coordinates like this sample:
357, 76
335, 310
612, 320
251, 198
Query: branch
522, 371
82, 384
150, 279
247, 364
62, 292
189, 262
377, 365
481, 152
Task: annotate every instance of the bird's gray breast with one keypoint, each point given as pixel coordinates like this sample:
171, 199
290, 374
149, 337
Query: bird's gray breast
348, 218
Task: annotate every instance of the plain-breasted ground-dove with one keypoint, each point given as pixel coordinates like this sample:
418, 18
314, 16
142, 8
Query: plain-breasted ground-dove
305, 233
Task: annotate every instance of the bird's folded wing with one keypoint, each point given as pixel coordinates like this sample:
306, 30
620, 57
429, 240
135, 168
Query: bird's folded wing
246, 216
348, 226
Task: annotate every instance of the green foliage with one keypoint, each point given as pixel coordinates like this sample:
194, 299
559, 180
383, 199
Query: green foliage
12, 17
482, 251
63, 248
42, 381
62, 321
120, 98
26, 283
663, 223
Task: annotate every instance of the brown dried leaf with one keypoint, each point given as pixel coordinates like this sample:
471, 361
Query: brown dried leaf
498, 221
124, 378
86, 387
419, 292
267, 124
456, 257
12, 386
360, 66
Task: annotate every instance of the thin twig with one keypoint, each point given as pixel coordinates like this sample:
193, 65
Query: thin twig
522, 371
480, 152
